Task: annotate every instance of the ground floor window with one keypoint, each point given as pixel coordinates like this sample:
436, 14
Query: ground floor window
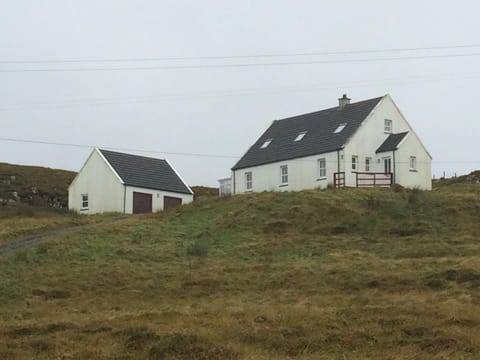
84, 201
322, 168
248, 180
413, 163
284, 174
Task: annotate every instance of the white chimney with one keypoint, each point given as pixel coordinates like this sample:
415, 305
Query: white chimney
344, 100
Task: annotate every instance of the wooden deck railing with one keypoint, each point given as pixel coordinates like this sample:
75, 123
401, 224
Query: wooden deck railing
373, 179
339, 179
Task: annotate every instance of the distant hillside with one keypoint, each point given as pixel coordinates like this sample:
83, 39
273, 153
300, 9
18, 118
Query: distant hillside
472, 178
34, 185
204, 192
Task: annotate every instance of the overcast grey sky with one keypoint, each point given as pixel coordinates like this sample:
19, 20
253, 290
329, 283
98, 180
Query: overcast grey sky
223, 110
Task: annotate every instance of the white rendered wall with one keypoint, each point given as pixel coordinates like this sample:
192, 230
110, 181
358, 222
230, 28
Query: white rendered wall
370, 135
422, 177
104, 189
157, 198
302, 174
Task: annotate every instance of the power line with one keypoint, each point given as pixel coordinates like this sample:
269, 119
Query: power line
193, 154
240, 92
242, 65
251, 56
116, 148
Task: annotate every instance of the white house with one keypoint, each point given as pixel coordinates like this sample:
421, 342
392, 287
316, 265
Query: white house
115, 182
368, 143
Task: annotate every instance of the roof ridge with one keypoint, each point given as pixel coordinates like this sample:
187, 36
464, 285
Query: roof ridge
129, 154
331, 108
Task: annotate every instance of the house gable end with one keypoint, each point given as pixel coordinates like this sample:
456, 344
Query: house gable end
75, 179
110, 166
100, 184
411, 128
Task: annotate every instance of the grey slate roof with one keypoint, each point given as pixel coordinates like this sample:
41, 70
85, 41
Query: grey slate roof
319, 139
145, 172
391, 142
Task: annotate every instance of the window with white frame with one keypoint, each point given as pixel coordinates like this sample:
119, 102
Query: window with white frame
413, 163
266, 143
322, 168
354, 162
84, 201
300, 136
284, 174
248, 180
388, 126
368, 162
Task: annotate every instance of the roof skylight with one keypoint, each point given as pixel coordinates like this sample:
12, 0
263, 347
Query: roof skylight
300, 136
340, 128
266, 143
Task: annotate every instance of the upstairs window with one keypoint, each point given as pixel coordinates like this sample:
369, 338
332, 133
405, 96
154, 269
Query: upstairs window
300, 136
85, 201
413, 163
388, 126
340, 128
354, 162
322, 168
248, 180
266, 143
284, 174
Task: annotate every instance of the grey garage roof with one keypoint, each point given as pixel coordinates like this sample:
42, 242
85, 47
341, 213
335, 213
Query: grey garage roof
145, 172
391, 142
319, 138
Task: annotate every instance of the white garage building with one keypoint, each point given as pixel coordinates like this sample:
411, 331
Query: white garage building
116, 182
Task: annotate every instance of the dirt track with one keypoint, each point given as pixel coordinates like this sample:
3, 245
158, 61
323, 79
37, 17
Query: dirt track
31, 240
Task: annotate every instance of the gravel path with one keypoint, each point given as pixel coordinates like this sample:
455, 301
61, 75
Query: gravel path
31, 240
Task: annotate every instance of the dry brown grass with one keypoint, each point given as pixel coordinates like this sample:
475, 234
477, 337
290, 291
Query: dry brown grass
371, 274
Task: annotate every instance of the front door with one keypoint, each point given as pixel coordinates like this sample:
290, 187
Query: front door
142, 203
387, 164
170, 202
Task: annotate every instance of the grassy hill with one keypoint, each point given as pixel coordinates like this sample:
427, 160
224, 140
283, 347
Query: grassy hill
472, 178
34, 199
34, 186
334, 274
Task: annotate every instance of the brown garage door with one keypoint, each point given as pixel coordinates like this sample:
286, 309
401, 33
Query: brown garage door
142, 203
171, 202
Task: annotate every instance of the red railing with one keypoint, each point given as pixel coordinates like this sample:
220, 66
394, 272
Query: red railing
339, 179
373, 179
